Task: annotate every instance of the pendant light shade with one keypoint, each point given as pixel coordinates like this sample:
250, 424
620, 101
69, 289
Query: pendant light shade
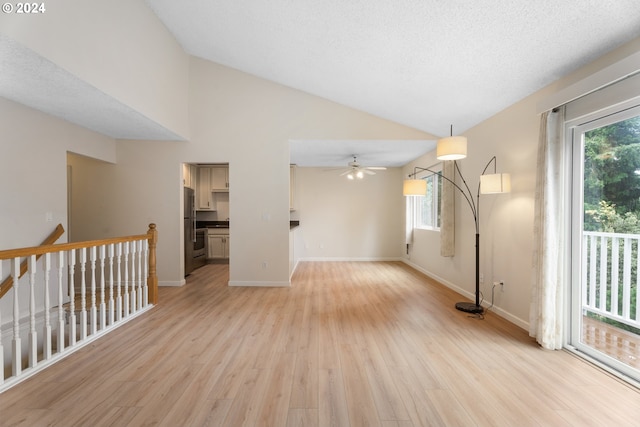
414, 187
452, 148
495, 183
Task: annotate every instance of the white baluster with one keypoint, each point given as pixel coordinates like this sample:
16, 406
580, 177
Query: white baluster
626, 280
16, 344
615, 282
133, 277
140, 278
119, 298
83, 294
126, 278
103, 307
60, 303
111, 300
33, 334
72, 301
145, 293
46, 332
93, 312
1, 346
604, 256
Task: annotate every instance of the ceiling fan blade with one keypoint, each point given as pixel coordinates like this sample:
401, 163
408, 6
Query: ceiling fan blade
377, 168
368, 172
345, 172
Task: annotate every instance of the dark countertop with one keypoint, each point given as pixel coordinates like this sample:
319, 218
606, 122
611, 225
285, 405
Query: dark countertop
212, 224
225, 224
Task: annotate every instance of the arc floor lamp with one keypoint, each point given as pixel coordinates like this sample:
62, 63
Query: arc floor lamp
455, 148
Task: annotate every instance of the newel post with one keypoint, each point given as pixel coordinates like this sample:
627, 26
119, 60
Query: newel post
152, 280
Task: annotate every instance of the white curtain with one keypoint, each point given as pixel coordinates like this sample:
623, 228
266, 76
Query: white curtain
546, 320
447, 211
409, 220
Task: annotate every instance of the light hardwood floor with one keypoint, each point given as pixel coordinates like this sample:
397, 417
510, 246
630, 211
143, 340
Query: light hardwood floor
349, 344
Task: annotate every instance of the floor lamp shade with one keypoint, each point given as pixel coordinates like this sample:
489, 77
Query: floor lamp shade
414, 187
452, 148
495, 183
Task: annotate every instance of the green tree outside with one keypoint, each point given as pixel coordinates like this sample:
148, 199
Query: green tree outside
612, 190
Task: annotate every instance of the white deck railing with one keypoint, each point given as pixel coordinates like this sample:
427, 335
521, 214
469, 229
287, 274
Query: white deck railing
70, 295
610, 267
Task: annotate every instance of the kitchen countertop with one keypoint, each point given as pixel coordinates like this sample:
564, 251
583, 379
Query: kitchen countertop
225, 224
212, 224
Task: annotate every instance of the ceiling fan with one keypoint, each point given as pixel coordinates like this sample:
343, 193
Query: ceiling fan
357, 171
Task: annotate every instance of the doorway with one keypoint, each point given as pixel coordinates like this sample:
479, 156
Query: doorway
604, 304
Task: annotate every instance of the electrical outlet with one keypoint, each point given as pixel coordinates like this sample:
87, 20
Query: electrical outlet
481, 278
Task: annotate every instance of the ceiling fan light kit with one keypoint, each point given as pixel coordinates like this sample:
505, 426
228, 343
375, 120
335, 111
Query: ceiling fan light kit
357, 171
355, 175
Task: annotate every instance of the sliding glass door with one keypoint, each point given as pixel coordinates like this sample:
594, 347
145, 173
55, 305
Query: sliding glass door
605, 309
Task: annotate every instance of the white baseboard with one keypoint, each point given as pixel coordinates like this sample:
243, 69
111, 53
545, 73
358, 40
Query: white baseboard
350, 259
175, 283
293, 270
260, 284
499, 311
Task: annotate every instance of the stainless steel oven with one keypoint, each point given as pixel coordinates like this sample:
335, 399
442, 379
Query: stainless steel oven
200, 248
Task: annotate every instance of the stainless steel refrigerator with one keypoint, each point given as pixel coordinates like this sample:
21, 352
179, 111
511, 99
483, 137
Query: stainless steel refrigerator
189, 229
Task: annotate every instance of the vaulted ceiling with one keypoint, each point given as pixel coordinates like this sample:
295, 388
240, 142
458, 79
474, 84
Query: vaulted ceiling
422, 63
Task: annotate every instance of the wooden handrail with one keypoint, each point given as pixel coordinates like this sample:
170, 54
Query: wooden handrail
8, 282
151, 236
152, 280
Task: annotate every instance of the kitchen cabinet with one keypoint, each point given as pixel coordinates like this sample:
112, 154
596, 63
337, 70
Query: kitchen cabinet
203, 191
211, 179
218, 247
219, 178
189, 175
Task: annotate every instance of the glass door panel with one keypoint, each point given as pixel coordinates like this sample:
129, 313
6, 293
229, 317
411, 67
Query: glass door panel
605, 314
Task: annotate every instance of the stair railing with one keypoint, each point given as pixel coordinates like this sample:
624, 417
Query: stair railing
50, 240
95, 287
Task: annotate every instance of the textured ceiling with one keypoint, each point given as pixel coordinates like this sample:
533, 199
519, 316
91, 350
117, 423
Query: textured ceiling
423, 63
32, 80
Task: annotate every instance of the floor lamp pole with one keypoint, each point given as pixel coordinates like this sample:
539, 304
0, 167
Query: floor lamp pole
470, 307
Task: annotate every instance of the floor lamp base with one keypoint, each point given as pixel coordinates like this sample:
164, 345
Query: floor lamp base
469, 307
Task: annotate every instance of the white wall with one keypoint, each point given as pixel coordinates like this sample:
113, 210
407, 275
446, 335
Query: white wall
247, 122
120, 47
349, 220
33, 171
507, 219
33, 179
